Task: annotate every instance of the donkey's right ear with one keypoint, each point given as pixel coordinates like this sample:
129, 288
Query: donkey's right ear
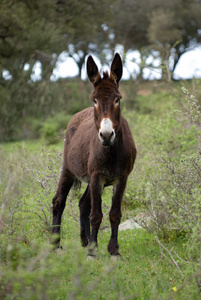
92, 71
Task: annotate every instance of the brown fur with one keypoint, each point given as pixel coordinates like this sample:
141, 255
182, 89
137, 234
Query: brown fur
87, 159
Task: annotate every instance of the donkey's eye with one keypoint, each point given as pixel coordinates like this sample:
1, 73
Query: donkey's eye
94, 101
117, 100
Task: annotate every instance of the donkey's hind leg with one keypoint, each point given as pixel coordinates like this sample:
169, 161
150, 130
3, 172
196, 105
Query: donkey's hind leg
59, 202
85, 208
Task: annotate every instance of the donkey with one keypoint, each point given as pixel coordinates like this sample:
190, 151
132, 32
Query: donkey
99, 150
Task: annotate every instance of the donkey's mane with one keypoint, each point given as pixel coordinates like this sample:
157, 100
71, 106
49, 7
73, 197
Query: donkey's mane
105, 75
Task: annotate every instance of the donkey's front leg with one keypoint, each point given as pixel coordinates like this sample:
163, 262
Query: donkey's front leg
96, 188
115, 215
58, 203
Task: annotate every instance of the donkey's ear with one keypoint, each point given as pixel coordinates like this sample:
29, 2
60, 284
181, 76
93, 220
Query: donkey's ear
116, 69
92, 71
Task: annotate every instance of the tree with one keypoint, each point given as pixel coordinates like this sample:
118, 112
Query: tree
159, 25
28, 32
130, 22
131, 28
175, 24
83, 25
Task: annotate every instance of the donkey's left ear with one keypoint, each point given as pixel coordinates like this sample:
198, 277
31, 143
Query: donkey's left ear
116, 69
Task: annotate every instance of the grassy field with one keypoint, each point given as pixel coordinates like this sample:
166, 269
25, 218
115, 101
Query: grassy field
159, 261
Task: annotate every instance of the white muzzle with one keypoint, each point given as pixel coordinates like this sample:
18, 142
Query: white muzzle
106, 132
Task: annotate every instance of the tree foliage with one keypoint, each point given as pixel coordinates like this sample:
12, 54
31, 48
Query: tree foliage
83, 26
28, 32
159, 25
39, 31
35, 30
175, 24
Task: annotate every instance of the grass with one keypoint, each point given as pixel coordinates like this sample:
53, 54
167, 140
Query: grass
144, 272
29, 146
149, 268
140, 274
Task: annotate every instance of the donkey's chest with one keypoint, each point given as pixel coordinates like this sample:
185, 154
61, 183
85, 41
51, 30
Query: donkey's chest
108, 165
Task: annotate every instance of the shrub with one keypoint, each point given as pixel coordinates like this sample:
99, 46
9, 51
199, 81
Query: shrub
170, 188
53, 129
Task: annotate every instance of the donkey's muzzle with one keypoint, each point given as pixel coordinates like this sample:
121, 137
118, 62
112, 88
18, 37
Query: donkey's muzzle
106, 132
107, 140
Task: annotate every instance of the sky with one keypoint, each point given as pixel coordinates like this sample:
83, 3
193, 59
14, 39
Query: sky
189, 66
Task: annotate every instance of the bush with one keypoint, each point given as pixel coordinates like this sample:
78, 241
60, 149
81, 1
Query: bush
25, 104
53, 129
170, 188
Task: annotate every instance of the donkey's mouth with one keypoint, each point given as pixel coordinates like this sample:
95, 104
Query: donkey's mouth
106, 143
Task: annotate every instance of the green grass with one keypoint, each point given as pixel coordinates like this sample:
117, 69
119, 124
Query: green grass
141, 273
33, 270
29, 146
150, 267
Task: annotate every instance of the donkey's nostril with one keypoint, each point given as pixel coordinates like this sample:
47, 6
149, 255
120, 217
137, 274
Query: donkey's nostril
106, 136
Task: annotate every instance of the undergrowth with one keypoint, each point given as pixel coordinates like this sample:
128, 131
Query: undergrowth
159, 261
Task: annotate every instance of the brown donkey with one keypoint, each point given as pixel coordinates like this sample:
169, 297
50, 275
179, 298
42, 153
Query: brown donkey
99, 150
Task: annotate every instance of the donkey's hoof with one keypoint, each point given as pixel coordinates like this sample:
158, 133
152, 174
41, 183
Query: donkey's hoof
58, 250
91, 257
92, 249
56, 247
84, 242
115, 257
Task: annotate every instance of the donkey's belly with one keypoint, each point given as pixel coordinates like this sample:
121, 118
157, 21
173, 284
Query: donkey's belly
77, 165
106, 178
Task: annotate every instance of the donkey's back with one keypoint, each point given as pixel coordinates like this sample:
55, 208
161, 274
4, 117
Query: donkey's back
79, 134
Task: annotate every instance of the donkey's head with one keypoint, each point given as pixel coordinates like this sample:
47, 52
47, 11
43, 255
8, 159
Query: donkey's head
106, 98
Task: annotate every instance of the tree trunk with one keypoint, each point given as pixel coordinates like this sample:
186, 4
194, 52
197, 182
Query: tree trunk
177, 55
80, 64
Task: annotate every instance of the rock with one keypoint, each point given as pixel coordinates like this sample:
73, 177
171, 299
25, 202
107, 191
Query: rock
129, 224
